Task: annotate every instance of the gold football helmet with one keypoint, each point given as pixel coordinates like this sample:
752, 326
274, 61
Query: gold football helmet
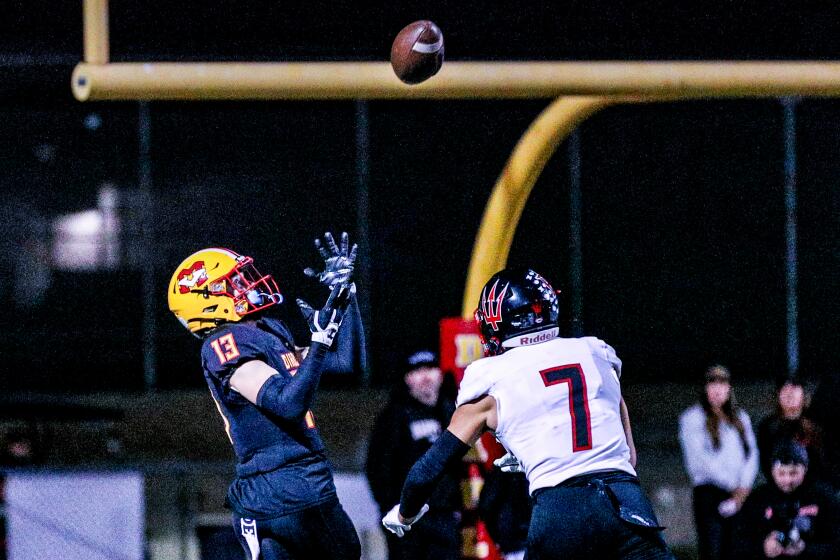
215, 286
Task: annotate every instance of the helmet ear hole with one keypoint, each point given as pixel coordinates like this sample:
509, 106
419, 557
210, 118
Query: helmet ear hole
210, 309
493, 347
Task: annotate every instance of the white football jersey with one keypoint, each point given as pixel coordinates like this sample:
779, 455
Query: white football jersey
558, 407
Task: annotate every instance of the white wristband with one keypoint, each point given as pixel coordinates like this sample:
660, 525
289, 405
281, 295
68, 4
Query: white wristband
326, 335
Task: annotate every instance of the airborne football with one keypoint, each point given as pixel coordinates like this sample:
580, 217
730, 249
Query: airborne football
417, 52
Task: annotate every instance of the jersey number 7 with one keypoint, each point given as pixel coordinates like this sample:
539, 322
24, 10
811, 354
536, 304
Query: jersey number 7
572, 376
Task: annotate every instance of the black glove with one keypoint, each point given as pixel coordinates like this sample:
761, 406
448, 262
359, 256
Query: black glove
338, 263
324, 323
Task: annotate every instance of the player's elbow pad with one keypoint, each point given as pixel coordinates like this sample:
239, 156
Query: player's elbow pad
427, 472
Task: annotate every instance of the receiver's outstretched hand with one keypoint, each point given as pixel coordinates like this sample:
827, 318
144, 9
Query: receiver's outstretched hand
338, 261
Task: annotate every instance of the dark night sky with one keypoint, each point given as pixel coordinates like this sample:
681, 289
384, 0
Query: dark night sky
683, 203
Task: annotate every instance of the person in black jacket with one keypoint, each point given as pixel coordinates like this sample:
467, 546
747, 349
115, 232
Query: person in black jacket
413, 419
789, 422
505, 508
789, 516
823, 410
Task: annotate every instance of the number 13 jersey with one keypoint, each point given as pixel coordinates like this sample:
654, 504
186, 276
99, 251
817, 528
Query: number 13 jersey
558, 407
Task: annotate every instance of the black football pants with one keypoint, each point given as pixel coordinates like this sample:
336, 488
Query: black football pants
320, 532
582, 522
713, 531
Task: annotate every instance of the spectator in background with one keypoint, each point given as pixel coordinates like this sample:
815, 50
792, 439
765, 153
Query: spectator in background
19, 448
721, 459
789, 516
788, 423
823, 410
404, 430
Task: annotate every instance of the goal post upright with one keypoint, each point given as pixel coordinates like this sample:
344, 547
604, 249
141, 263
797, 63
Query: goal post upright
96, 35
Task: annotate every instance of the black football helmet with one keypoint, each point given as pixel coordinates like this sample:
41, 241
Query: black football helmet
513, 303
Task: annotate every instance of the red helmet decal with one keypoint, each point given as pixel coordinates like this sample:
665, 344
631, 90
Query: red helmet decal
188, 278
491, 306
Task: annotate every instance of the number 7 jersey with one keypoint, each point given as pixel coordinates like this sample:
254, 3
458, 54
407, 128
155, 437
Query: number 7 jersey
558, 407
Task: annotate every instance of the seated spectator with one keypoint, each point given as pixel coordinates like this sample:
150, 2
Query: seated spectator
786, 423
721, 459
789, 516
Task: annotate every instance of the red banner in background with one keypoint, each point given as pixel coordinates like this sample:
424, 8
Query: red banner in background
459, 345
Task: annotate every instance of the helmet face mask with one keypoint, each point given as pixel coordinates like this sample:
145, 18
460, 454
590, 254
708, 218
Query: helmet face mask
250, 290
513, 303
216, 286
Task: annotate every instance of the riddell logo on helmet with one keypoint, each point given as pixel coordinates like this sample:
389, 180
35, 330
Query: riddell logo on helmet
492, 306
539, 337
189, 278
529, 339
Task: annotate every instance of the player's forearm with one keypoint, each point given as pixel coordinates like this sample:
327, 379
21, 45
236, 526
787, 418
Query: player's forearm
349, 343
290, 399
427, 472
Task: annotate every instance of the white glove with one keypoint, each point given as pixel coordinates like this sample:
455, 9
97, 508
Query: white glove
509, 463
392, 522
324, 323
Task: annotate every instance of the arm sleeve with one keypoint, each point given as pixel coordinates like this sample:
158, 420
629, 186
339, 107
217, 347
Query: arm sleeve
291, 398
749, 470
427, 472
350, 354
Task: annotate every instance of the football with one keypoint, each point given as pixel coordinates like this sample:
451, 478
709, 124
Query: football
417, 52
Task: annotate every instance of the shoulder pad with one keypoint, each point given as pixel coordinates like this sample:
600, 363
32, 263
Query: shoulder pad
279, 329
476, 383
604, 351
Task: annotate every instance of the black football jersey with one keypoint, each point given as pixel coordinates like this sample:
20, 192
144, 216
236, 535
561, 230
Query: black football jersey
290, 453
